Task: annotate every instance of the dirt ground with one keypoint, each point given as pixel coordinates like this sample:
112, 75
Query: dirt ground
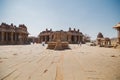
35, 62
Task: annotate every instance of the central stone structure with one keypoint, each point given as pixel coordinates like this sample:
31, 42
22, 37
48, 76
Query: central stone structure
72, 36
58, 43
61, 39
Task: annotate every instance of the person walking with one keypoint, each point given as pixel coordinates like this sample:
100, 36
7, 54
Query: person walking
43, 43
79, 43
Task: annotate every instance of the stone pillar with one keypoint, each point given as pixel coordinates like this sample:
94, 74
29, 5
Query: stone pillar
75, 39
45, 38
12, 37
20, 38
110, 42
2, 34
15, 36
69, 38
50, 37
119, 36
23, 38
41, 39
79, 39
6, 36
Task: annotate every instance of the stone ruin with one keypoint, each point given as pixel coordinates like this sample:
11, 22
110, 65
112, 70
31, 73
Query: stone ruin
117, 44
72, 36
12, 35
103, 42
58, 43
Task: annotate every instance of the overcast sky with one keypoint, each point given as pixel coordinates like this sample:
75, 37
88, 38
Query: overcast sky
90, 16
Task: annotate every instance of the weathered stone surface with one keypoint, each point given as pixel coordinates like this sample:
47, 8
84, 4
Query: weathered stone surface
58, 45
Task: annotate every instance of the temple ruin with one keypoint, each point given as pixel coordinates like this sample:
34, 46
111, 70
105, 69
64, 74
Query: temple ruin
72, 36
10, 34
59, 40
103, 42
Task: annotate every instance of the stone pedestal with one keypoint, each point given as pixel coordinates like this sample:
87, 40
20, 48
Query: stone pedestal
51, 45
2, 37
58, 45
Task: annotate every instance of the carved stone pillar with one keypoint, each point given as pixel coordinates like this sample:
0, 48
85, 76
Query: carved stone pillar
25, 38
50, 37
12, 37
20, 38
78, 39
45, 38
2, 34
41, 39
75, 39
15, 36
6, 36
69, 38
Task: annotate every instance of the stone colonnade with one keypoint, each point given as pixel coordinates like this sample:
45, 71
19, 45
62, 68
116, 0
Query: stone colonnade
10, 34
104, 41
45, 38
71, 38
74, 38
12, 38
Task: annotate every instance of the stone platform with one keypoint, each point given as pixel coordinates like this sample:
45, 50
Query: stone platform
58, 45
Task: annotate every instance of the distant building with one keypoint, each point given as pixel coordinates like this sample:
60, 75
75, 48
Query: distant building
10, 34
72, 36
